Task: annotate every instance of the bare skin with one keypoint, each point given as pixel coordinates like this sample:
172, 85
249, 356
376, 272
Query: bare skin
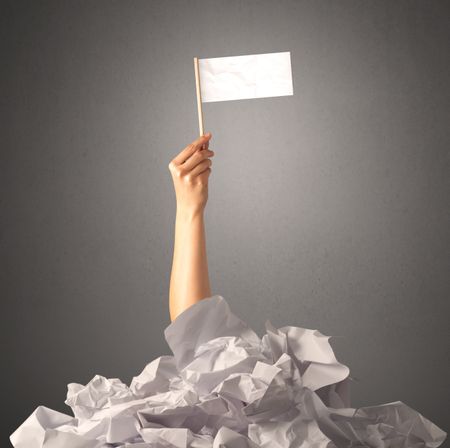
189, 279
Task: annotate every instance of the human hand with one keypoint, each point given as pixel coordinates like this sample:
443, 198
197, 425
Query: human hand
190, 171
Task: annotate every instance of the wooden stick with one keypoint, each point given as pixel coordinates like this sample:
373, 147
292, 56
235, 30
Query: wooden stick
199, 96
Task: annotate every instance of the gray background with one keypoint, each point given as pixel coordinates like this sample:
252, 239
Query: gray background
327, 209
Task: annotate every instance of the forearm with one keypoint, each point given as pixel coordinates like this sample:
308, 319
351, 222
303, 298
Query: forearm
189, 279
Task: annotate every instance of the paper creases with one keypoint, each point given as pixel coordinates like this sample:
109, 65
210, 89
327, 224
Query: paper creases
246, 76
224, 386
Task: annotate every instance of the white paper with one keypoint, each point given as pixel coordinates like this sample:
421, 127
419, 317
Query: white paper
247, 76
225, 387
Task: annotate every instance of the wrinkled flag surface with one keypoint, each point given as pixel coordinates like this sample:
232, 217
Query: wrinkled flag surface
247, 76
225, 387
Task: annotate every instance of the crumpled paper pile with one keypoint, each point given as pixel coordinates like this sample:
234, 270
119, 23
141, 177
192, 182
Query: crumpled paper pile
224, 386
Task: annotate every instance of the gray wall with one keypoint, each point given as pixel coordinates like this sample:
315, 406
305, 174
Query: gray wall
327, 210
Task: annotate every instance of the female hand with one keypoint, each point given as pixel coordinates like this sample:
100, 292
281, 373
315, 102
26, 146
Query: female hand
190, 171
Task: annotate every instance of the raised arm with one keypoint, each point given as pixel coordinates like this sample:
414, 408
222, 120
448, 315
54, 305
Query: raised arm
189, 279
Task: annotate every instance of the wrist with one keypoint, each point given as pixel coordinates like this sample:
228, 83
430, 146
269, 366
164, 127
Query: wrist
189, 214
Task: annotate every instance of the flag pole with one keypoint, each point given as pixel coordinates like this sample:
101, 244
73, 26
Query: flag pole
199, 96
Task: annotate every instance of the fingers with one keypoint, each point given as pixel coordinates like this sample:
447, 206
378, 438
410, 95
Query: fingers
199, 168
203, 177
195, 159
192, 148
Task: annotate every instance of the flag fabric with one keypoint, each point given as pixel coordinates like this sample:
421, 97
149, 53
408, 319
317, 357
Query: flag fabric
247, 76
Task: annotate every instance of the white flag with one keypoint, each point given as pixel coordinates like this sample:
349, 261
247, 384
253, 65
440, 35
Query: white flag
248, 76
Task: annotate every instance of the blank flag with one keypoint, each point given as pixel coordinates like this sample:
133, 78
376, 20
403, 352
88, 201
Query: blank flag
243, 77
